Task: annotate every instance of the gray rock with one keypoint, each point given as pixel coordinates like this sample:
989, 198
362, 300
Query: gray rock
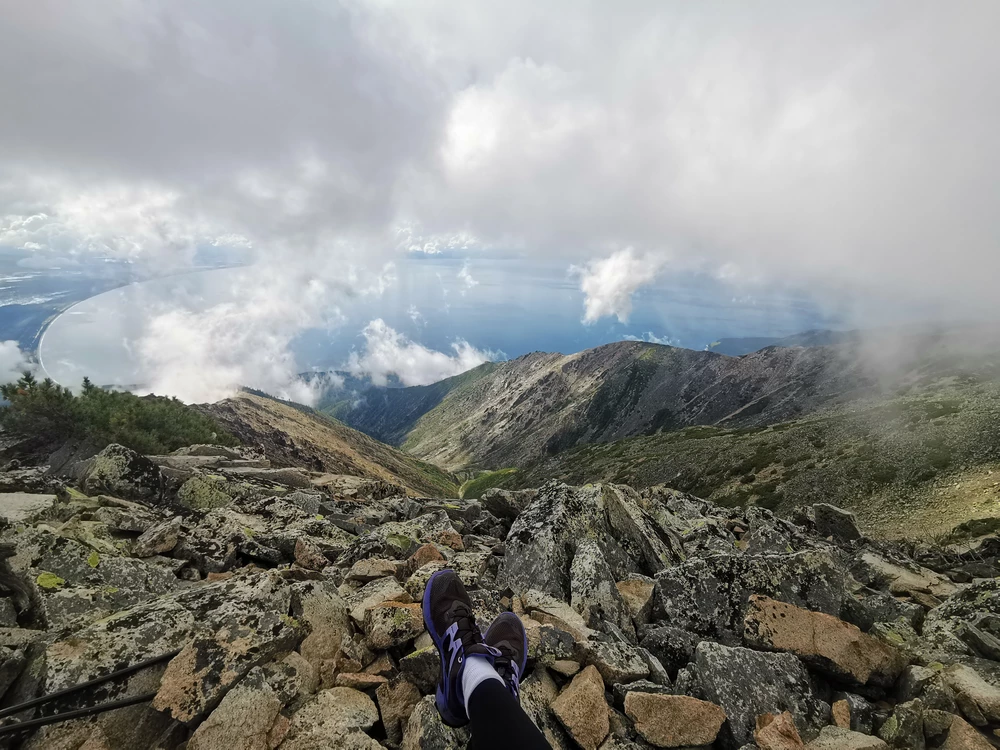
617, 662
593, 592
835, 522
861, 711
673, 647
749, 683
865, 609
506, 504
159, 539
121, 472
24, 507
426, 731
905, 728
709, 596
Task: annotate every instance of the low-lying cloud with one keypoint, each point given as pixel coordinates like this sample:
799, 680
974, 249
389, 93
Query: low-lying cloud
388, 353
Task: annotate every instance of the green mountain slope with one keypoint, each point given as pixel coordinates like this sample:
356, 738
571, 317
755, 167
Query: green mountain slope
917, 462
512, 414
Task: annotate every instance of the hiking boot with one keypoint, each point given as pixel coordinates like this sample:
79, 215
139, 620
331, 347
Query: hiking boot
452, 625
507, 636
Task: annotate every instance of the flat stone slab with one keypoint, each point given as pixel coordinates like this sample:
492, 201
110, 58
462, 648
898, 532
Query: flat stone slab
22, 507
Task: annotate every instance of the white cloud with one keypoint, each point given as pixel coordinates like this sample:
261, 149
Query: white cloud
608, 284
416, 316
465, 276
652, 338
388, 352
13, 362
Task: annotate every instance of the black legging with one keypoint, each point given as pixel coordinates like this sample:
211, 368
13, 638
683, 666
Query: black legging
498, 722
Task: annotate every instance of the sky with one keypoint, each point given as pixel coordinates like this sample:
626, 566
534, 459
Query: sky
844, 150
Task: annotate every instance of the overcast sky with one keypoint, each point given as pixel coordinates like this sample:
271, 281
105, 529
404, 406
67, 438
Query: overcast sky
851, 147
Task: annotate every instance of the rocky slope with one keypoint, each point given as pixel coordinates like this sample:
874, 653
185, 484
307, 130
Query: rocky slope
512, 413
294, 435
655, 619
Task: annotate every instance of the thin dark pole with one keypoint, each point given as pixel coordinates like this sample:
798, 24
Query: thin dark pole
11, 710
100, 708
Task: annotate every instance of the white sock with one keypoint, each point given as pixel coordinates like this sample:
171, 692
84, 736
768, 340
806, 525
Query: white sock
477, 670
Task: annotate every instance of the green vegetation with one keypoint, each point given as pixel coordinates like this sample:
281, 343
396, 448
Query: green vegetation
148, 424
884, 456
474, 488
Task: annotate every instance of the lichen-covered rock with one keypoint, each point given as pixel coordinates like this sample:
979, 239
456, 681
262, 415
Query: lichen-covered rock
593, 591
541, 541
709, 596
617, 662
877, 571
158, 539
244, 719
864, 609
506, 504
673, 647
426, 731
674, 720
581, 709
375, 593
392, 624
336, 717
905, 728
823, 641
370, 569
423, 667
24, 507
235, 639
749, 683
206, 492
309, 555
121, 472
318, 606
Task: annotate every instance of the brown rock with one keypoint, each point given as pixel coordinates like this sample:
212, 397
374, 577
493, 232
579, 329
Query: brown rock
841, 711
375, 593
451, 539
979, 700
565, 667
393, 624
396, 700
637, 594
963, 736
581, 709
777, 732
383, 665
325, 612
823, 641
425, 553
372, 568
674, 720
838, 738
360, 680
309, 555
244, 719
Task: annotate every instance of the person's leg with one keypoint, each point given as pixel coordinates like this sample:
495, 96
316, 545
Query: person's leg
498, 722
479, 677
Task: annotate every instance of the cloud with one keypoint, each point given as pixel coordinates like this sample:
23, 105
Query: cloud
608, 284
465, 276
416, 316
652, 338
810, 143
389, 353
13, 362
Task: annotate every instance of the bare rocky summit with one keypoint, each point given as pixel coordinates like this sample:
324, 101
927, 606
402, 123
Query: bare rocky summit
654, 618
